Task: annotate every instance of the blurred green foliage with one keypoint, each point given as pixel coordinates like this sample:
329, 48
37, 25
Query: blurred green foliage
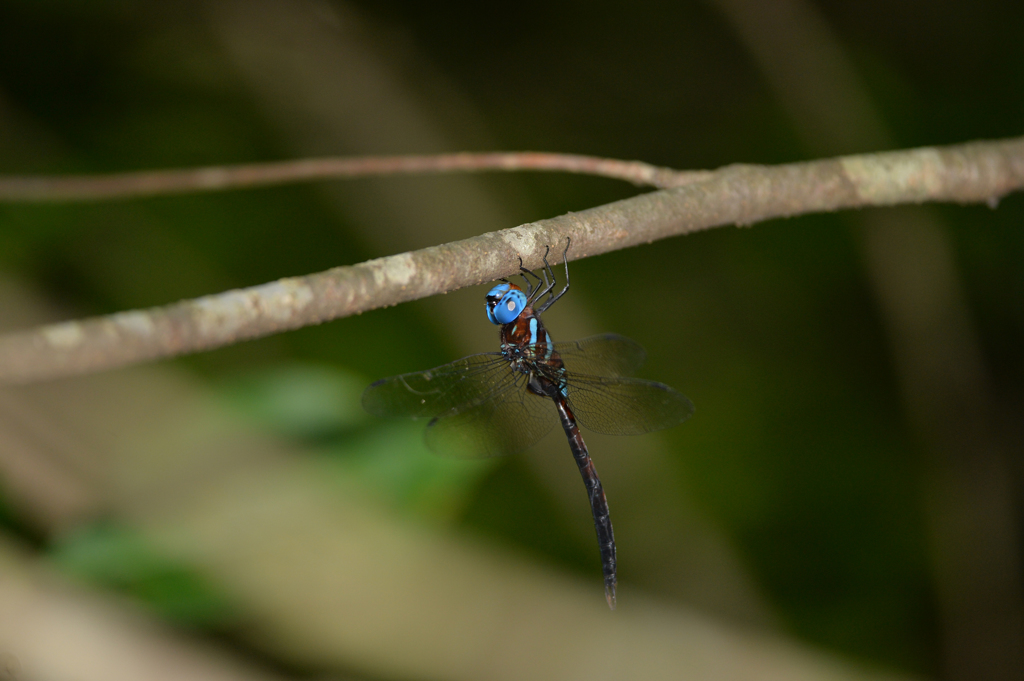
320, 407
799, 450
121, 559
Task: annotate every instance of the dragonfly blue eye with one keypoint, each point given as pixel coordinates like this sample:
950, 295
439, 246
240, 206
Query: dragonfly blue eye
504, 304
499, 290
509, 307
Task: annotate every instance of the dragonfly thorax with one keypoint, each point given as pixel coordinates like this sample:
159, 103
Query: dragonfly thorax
526, 345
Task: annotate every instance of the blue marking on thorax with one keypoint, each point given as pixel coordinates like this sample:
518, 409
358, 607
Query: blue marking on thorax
533, 331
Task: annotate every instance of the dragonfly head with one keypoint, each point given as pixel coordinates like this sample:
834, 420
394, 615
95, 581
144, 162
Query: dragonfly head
505, 302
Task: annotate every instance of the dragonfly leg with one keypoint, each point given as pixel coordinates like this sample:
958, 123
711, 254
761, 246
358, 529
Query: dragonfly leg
551, 300
546, 272
530, 290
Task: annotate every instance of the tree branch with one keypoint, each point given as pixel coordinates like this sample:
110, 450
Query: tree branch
734, 195
216, 178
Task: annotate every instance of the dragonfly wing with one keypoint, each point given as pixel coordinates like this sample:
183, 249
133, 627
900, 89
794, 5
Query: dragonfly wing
606, 355
426, 394
625, 406
506, 422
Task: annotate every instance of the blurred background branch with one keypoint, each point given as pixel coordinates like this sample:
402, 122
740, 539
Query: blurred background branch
735, 195
220, 178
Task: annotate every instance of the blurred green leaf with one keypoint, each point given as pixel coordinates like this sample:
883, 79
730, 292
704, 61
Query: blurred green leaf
320, 406
393, 460
120, 558
303, 401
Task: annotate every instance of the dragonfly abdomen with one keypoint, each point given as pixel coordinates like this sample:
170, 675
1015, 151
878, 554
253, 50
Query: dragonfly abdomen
595, 492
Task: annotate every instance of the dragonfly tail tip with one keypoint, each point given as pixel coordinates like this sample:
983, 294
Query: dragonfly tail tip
609, 594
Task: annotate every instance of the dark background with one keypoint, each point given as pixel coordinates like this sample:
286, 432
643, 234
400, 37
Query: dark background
801, 459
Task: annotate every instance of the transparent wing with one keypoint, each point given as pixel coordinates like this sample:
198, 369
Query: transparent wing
606, 355
508, 421
426, 394
625, 406
480, 407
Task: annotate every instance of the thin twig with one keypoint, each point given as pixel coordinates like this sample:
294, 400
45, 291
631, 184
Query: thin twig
735, 195
215, 178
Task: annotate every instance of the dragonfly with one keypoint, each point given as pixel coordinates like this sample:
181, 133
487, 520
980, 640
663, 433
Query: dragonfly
497, 403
